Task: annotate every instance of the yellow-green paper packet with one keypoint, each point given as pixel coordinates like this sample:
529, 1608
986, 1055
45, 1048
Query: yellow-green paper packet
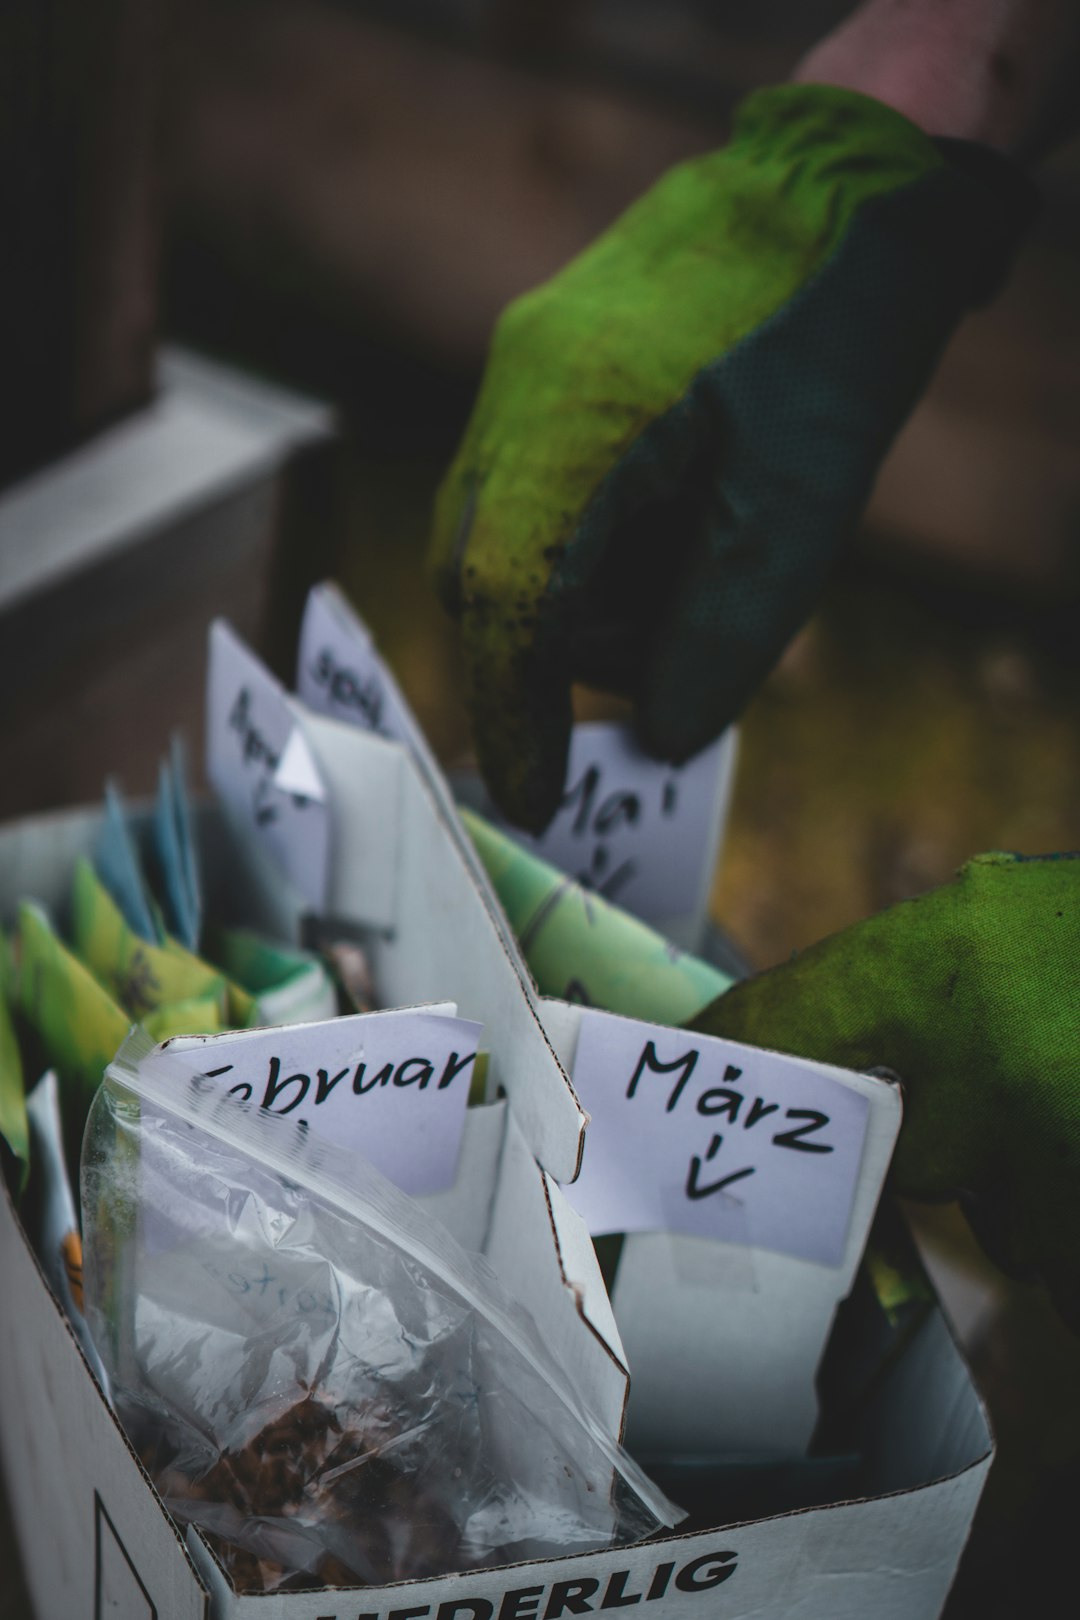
199, 1016
78, 1023
142, 977
583, 948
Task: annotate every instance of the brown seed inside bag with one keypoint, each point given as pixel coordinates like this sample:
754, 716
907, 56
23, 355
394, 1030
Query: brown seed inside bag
309, 1467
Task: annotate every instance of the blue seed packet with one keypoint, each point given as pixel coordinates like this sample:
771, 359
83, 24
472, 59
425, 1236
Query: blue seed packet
116, 861
174, 846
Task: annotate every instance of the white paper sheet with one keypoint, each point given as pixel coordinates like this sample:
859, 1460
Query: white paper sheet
339, 671
691, 1134
639, 832
391, 1086
261, 766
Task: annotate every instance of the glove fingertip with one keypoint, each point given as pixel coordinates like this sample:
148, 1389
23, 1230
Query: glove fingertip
523, 762
528, 791
674, 727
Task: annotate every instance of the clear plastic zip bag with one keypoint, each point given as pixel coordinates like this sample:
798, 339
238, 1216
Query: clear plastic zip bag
312, 1369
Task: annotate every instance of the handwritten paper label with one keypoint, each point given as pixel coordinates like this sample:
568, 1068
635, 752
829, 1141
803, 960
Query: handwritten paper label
261, 766
340, 673
698, 1135
391, 1086
641, 833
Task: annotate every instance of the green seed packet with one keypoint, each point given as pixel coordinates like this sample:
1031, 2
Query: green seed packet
582, 948
140, 976
289, 986
240, 1008
199, 1016
78, 1023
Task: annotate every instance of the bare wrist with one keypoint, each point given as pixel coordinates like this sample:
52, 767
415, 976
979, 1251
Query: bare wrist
1003, 72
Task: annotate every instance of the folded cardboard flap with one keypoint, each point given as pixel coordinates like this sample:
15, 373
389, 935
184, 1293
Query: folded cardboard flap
554, 1279
94, 1537
504, 1207
363, 775
541, 1252
926, 1417
340, 674
579, 1264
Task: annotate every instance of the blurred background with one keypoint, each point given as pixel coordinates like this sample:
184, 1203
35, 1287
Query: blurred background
337, 197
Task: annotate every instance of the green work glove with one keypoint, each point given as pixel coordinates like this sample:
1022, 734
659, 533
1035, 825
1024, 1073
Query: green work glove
970, 994
675, 434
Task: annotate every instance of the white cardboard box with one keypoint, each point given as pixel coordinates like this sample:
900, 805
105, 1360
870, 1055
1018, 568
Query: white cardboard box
95, 1538
97, 1543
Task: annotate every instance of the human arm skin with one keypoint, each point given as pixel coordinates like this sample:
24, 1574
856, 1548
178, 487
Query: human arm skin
1002, 72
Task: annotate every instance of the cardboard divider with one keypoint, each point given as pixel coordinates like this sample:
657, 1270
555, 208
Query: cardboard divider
686, 1305
525, 1233
95, 1538
367, 792
443, 943
506, 1208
